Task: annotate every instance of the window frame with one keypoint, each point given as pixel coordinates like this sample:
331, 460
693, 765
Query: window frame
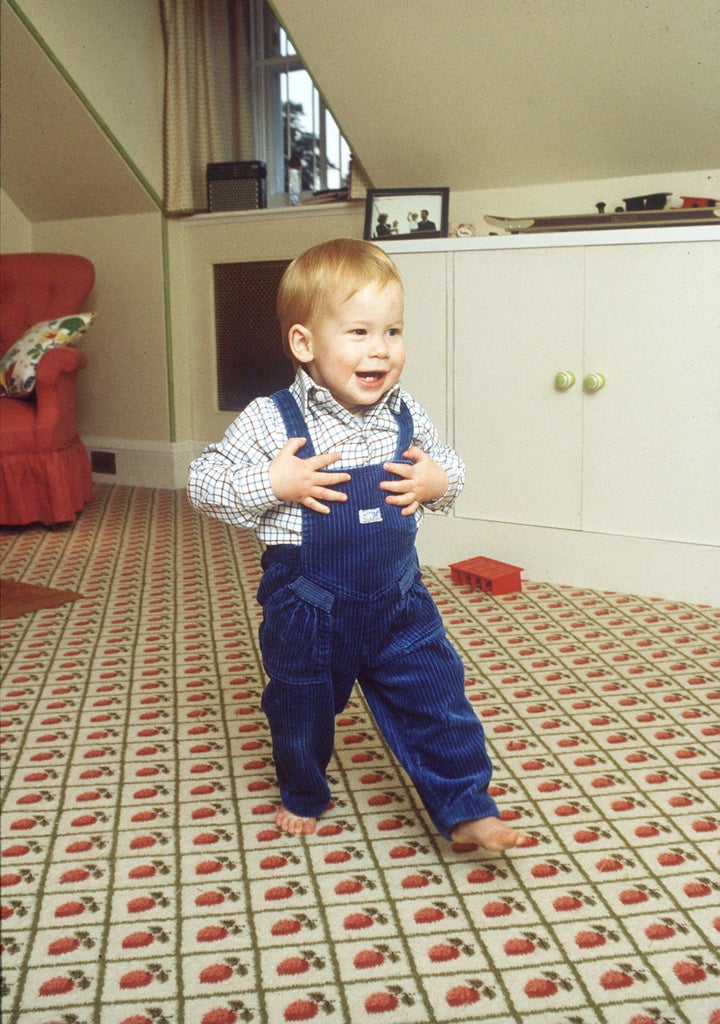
272, 127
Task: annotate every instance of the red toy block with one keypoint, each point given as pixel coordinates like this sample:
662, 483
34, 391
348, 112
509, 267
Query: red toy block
487, 574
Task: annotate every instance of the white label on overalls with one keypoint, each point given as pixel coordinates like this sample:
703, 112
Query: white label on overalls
369, 515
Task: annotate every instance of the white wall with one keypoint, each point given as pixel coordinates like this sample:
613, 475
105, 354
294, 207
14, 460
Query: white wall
16, 234
123, 393
114, 54
491, 93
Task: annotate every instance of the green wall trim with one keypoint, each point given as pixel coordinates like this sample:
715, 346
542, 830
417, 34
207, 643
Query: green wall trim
170, 368
101, 123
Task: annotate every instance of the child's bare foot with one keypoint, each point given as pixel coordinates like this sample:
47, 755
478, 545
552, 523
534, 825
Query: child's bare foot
293, 823
490, 833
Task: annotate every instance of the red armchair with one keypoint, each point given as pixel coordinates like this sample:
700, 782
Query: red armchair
45, 473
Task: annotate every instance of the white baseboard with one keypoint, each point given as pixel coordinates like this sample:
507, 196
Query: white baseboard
145, 463
664, 569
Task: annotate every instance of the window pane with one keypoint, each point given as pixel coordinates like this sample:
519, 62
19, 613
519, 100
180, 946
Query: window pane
286, 47
332, 149
299, 130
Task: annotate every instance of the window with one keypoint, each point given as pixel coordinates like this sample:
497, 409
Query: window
292, 122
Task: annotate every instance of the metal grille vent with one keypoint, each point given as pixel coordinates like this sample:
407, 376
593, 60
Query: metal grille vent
236, 186
250, 357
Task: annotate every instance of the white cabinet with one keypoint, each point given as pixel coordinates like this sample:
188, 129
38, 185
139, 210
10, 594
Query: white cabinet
652, 435
518, 321
618, 489
637, 457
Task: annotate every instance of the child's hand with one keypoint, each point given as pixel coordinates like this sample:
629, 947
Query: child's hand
301, 480
420, 482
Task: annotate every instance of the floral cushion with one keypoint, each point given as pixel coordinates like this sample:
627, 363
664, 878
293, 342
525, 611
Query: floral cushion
18, 367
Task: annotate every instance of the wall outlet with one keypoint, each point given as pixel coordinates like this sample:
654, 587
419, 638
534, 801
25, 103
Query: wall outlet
103, 462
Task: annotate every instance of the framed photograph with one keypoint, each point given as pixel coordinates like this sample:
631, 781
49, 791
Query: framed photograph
406, 213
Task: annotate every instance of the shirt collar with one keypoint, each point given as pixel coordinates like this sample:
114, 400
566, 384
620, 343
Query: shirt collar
312, 396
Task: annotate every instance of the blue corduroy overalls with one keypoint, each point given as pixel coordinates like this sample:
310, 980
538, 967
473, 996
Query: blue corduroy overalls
349, 603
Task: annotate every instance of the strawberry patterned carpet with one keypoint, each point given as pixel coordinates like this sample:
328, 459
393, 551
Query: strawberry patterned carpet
143, 880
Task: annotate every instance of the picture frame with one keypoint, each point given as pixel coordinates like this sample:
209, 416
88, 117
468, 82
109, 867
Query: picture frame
400, 213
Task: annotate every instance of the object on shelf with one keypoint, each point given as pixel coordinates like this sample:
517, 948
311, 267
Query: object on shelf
462, 231
692, 202
236, 185
487, 574
595, 221
327, 195
294, 174
653, 201
406, 213
358, 183
667, 201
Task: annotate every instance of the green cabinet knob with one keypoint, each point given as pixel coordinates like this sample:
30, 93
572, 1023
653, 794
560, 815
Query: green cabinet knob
593, 382
564, 380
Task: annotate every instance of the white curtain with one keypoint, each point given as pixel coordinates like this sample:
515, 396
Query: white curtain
207, 95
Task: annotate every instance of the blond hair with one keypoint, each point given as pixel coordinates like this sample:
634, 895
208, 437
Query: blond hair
333, 270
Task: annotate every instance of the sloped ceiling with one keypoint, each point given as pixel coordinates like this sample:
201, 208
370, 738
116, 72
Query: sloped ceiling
477, 94
56, 162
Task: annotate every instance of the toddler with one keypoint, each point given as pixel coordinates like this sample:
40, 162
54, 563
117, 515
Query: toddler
334, 474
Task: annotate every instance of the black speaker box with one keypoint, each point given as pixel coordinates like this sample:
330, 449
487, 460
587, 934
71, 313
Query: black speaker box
236, 185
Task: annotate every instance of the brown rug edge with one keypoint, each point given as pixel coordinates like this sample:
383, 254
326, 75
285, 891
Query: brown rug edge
18, 599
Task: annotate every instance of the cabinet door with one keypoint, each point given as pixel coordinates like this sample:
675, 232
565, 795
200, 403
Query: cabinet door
424, 278
652, 434
519, 321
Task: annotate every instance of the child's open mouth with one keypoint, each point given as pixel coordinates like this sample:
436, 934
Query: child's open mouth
372, 376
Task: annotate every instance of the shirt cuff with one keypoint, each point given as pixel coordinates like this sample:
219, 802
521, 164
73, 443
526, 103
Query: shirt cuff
252, 485
456, 480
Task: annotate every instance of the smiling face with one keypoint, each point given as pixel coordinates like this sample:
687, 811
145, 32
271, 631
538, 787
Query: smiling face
354, 346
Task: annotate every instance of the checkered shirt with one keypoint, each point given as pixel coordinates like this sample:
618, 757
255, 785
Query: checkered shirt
231, 479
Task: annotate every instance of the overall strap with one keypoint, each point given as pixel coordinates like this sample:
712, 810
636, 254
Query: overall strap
405, 432
292, 417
